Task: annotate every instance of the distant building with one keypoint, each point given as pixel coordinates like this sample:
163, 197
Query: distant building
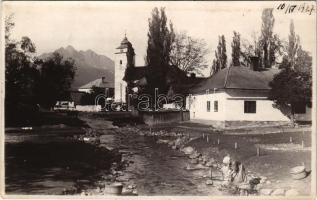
238, 95
99, 83
175, 77
124, 52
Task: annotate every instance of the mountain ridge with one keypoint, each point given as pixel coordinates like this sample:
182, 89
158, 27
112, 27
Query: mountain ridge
90, 65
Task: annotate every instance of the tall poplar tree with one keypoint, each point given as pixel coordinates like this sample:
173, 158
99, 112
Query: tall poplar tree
160, 39
220, 60
236, 51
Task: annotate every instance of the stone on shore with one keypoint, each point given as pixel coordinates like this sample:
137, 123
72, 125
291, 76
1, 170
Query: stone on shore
265, 192
278, 192
161, 141
292, 192
209, 182
178, 142
263, 179
188, 150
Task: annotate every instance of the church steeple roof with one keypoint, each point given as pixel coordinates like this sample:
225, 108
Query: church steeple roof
124, 43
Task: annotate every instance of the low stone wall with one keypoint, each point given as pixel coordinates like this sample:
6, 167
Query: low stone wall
161, 117
239, 124
227, 125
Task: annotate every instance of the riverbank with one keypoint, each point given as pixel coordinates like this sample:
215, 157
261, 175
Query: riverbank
279, 151
161, 160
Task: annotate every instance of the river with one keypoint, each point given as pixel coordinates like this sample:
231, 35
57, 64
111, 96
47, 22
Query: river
42, 162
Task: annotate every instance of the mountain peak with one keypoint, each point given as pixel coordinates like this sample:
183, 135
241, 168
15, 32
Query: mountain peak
90, 65
70, 48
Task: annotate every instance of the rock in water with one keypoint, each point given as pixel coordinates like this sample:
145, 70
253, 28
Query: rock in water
194, 161
208, 164
209, 182
178, 142
161, 141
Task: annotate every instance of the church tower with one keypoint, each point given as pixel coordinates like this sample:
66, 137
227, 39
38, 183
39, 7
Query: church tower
124, 51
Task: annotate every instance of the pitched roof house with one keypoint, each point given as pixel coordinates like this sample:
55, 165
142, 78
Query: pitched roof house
108, 86
236, 95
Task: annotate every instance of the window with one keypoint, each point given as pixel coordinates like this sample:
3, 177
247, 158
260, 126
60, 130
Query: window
215, 106
299, 108
208, 106
120, 62
249, 106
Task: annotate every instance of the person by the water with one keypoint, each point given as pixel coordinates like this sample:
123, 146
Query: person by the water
226, 170
234, 175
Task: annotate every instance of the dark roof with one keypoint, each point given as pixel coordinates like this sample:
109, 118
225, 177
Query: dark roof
100, 82
236, 77
124, 43
139, 72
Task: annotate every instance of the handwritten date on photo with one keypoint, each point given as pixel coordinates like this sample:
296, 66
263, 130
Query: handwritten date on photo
301, 8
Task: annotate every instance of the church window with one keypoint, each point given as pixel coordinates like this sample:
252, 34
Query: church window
120, 62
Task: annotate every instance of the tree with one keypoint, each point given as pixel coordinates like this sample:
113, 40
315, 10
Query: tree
56, 77
293, 85
303, 62
293, 44
160, 40
223, 52
266, 37
236, 51
290, 87
21, 75
220, 60
270, 44
189, 53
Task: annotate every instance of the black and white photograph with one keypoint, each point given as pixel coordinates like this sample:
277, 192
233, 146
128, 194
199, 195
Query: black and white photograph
158, 98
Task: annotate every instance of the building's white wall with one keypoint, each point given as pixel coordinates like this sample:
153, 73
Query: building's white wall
231, 109
86, 90
119, 84
264, 111
198, 106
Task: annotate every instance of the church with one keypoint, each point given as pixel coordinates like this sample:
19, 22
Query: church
235, 95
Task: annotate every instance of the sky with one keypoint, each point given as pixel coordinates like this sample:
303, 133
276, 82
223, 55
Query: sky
100, 26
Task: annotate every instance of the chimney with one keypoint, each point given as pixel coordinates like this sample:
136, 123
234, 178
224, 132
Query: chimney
192, 75
103, 79
254, 63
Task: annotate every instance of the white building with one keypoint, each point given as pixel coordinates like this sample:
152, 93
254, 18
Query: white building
238, 95
120, 66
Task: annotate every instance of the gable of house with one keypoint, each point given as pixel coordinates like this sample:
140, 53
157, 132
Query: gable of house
100, 82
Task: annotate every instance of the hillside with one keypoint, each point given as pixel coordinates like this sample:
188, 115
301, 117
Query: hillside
90, 65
